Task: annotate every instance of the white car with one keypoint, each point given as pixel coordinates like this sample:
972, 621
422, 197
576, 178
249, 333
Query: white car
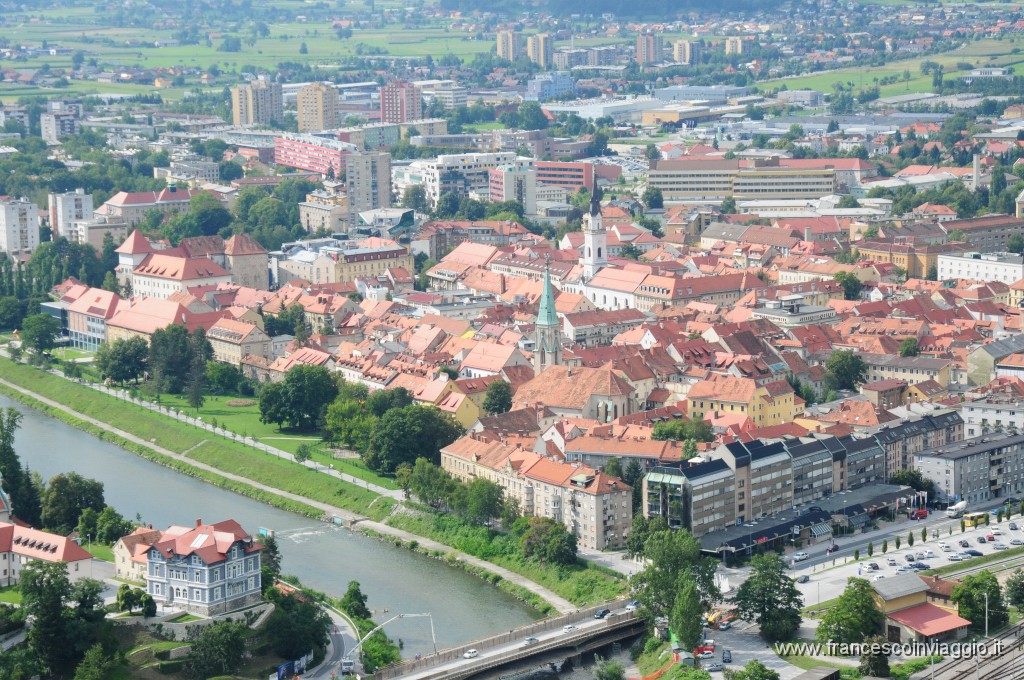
1016, 541
999, 546
706, 654
800, 556
891, 561
904, 570
929, 553
878, 577
471, 654
954, 557
943, 544
568, 628
946, 548
996, 532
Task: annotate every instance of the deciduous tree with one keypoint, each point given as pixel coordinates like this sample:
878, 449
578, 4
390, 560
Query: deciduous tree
498, 398
854, 618
770, 598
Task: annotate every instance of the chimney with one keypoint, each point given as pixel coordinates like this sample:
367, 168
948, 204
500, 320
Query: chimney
199, 522
807, 233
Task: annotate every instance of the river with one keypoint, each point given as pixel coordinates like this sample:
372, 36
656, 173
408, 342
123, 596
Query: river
324, 557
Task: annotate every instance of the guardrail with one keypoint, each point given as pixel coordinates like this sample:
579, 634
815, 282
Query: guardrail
517, 634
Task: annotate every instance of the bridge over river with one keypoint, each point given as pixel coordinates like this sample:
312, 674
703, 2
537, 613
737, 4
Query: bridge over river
573, 633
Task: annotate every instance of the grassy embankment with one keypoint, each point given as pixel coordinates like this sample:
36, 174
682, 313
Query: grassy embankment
583, 584
222, 453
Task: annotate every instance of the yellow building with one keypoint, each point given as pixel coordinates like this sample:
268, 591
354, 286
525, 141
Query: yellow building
461, 407
773, 403
916, 260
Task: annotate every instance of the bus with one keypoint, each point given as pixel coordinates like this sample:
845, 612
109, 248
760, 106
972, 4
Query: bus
974, 519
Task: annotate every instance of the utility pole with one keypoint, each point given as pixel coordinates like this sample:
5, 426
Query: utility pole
986, 615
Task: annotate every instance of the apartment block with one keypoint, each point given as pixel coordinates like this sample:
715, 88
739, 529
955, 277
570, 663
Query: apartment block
259, 102
988, 233
685, 52
312, 153
976, 470
764, 477
68, 207
400, 101
540, 49
461, 173
317, 105
650, 49
1005, 267
914, 434
510, 45
683, 180
698, 497
368, 179
514, 183
594, 506
56, 126
19, 226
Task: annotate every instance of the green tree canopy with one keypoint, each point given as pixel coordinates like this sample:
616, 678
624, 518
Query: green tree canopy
970, 599
854, 617
693, 428
909, 347
769, 597
65, 497
39, 332
498, 398
301, 399
844, 370
670, 554
218, 650
123, 360
405, 434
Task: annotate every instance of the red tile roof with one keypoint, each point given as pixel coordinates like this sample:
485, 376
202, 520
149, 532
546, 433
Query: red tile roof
929, 619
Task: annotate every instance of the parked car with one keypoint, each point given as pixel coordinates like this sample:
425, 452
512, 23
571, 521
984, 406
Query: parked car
965, 543
1012, 525
920, 513
942, 544
1016, 541
909, 557
878, 577
471, 654
904, 570
982, 539
928, 553
601, 613
992, 535
891, 561
530, 641
997, 532
873, 566
727, 656
831, 549
706, 654
999, 546
713, 667
568, 628
954, 557
920, 566
974, 553
631, 607
919, 555
724, 625
800, 556
804, 578
946, 548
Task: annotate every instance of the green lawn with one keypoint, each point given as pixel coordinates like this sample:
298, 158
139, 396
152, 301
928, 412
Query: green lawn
72, 353
100, 551
10, 595
226, 455
988, 52
245, 420
185, 618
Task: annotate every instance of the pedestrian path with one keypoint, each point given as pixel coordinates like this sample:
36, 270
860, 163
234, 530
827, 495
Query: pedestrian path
559, 603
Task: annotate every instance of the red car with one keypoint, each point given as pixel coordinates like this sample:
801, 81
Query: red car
919, 514
831, 549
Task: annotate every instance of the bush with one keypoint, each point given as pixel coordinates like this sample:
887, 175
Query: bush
171, 667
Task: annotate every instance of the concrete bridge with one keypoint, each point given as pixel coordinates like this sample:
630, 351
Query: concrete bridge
586, 633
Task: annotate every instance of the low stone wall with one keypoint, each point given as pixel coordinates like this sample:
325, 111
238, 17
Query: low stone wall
180, 630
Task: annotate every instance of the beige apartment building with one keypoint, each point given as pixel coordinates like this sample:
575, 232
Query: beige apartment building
232, 340
595, 506
317, 105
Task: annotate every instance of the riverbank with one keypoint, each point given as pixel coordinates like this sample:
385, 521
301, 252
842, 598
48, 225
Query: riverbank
232, 465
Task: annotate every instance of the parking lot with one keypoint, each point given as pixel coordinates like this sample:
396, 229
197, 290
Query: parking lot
826, 581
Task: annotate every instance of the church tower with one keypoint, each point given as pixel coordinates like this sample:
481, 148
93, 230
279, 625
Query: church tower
548, 336
595, 239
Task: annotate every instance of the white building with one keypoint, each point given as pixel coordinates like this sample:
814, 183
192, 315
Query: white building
461, 173
160, 276
19, 226
66, 208
1005, 267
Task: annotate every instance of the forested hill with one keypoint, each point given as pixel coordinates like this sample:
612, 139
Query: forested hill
649, 9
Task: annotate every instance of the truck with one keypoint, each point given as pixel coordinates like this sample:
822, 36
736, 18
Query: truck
957, 510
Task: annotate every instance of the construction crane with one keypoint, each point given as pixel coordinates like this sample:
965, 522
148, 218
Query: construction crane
348, 661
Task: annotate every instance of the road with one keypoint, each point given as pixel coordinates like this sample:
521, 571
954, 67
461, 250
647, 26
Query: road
580, 628
342, 638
